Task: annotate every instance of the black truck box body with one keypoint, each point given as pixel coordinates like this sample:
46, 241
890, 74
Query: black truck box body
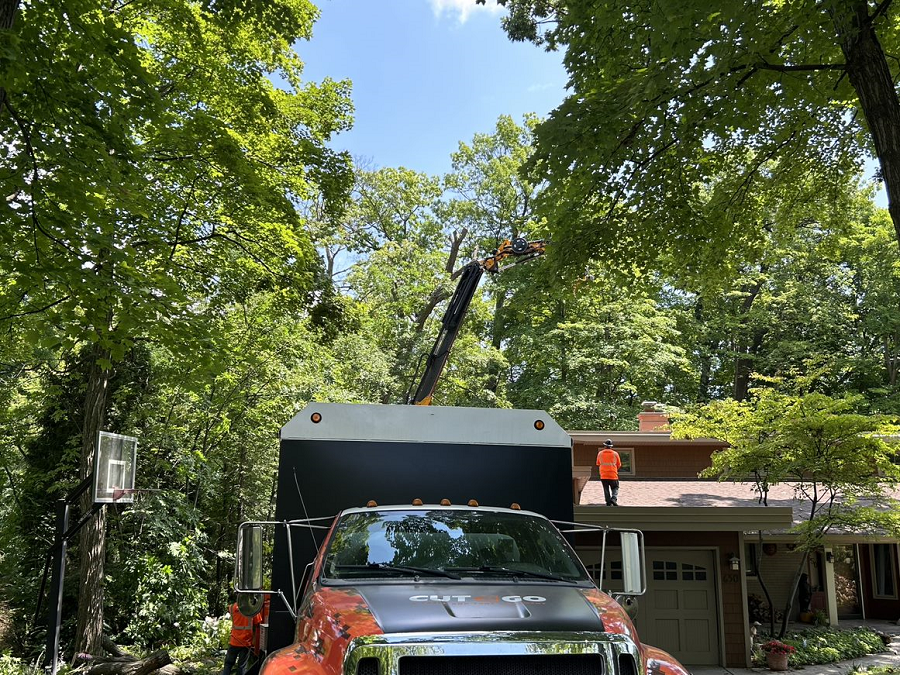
395, 454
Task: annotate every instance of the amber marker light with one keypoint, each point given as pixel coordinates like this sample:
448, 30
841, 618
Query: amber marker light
371, 503
417, 502
539, 424
316, 418
515, 506
472, 502
445, 502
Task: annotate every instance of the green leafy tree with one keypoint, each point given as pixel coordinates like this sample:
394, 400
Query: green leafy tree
875, 267
590, 355
836, 459
793, 305
490, 200
665, 97
149, 157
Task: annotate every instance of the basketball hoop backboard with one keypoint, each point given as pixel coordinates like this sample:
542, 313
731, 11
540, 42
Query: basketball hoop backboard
114, 465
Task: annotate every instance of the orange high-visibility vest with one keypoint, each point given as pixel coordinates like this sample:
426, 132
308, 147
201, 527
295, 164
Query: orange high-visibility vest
609, 462
241, 628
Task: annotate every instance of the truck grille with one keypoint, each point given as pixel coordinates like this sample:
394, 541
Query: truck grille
538, 664
367, 666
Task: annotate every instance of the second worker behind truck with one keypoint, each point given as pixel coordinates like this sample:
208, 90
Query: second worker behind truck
609, 462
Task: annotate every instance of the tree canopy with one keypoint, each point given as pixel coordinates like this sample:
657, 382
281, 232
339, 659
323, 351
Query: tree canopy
680, 103
186, 259
839, 462
152, 169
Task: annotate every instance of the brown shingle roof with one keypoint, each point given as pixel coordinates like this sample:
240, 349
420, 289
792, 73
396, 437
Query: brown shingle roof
699, 493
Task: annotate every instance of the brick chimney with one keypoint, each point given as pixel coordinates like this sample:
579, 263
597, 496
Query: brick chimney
651, 419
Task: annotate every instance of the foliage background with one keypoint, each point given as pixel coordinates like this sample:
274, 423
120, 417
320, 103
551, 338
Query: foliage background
178, 224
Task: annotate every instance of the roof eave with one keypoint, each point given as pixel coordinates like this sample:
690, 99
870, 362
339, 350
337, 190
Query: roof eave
679, 519
623, 437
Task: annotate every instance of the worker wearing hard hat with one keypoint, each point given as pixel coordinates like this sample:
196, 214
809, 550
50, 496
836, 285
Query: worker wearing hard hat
609, 462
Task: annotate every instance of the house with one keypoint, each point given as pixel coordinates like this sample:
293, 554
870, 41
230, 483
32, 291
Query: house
702, 541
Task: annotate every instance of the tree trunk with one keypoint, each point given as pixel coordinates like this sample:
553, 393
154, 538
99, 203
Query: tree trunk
870, 76
891, 360
743, 366
92, 540
8, 10
762, 585
493, 383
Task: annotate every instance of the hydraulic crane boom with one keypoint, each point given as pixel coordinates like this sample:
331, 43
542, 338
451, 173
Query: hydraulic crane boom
520, 249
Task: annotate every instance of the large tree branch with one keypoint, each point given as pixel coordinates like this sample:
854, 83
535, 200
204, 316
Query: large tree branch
879, 11
800, 67
34, 311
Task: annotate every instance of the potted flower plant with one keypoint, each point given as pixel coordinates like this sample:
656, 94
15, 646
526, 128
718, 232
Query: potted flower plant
777, 654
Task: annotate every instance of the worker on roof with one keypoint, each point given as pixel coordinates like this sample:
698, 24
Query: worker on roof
609, 462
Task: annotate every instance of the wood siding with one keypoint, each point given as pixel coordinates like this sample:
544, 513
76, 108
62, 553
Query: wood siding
660, 460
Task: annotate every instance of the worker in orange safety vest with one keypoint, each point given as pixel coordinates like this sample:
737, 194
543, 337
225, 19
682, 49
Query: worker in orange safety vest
609, 462
241, 641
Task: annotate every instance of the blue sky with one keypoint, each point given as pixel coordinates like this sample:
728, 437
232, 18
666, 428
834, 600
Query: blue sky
426, 75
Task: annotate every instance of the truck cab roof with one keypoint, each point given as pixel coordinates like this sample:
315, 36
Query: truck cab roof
438, 507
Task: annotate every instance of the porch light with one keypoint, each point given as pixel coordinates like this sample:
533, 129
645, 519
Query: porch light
829, 557
735, 563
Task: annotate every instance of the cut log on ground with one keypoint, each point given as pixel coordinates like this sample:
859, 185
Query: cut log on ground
114, 649
155, 661
122, 663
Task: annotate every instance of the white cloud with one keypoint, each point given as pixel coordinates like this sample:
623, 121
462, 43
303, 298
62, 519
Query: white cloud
462, 9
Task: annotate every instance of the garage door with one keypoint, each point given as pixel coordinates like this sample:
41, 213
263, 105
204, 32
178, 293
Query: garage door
679, 611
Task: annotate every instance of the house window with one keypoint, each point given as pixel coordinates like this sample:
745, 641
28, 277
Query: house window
884, 563
750, 560
692, 572
665, 570
627, 457
615, 570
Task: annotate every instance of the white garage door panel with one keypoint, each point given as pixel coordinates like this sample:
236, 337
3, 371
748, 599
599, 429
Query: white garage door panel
699, 629
697, 600
666, 599
678, 613
669, 632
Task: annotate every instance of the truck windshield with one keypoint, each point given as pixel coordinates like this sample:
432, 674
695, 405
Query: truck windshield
453, 543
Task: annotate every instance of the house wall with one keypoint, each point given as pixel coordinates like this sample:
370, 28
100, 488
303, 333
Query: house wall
661, 460
777, 571
734, 626
879, 608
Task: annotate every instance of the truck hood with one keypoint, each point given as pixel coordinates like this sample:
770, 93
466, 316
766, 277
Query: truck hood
401, 608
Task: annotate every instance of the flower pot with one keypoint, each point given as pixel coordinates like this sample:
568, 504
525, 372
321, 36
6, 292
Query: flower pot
777, 661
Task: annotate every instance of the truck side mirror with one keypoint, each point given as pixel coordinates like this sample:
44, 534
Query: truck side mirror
629, 603
250, 558
632, 564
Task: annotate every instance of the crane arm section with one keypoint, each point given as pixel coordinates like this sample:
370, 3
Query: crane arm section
518, 248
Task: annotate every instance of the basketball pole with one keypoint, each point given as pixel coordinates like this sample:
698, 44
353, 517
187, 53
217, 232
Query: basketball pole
60, 544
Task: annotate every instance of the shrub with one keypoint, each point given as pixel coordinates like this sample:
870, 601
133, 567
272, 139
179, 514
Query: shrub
10, 665
169, 595
209, 637
827, 645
